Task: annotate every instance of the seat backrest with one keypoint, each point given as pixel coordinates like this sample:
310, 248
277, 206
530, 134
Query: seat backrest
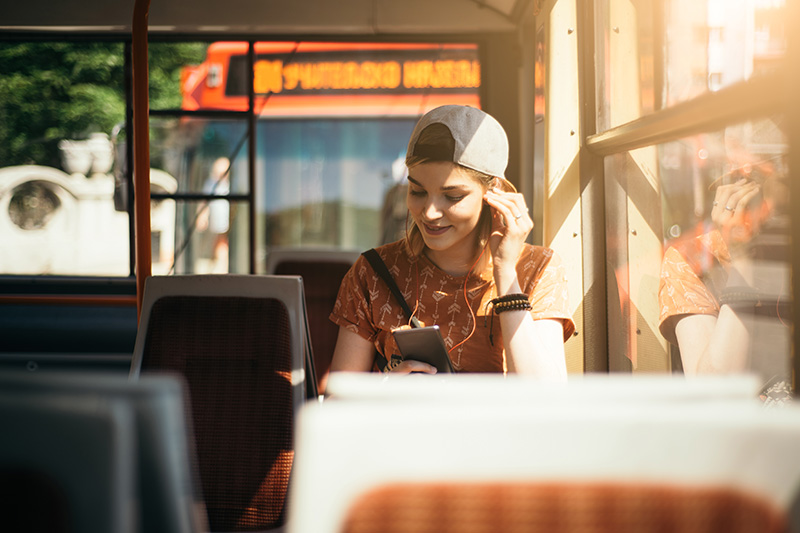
238, 341
70, 452
515, 388
461, 463
156, 450
322, 271
551, 507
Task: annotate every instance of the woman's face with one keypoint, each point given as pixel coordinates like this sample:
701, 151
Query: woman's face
445, 203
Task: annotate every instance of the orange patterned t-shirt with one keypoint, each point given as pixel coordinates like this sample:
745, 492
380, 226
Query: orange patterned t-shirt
689, 273
365, 304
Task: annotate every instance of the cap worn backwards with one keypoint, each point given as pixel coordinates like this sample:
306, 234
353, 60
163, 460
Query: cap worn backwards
480, 141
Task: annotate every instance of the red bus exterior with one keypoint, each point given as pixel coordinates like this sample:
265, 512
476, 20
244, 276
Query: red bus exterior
335, 79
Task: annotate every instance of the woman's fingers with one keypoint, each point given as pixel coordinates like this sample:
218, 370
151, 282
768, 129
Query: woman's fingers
730, 211
745, 198
732, 199
508, 238
409, 366
511, 206
729, 195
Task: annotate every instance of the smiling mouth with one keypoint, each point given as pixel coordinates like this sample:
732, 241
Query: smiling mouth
435, 230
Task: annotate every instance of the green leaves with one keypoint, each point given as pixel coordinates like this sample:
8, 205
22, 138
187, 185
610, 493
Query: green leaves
55, 90
51, 91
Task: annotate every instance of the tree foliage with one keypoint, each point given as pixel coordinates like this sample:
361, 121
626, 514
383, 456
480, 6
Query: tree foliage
51, 91
166, 62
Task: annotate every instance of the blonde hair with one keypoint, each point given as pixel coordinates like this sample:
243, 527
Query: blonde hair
439, 135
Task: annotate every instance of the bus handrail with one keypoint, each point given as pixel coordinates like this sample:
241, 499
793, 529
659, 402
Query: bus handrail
70, 299
141, 149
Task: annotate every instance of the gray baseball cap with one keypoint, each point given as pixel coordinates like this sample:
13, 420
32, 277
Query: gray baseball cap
480, 141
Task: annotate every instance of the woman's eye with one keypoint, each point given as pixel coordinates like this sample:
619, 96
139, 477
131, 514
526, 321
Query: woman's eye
455, 198
414, 192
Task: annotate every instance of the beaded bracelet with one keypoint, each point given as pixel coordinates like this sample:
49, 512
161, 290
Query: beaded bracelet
511, 302
501, 304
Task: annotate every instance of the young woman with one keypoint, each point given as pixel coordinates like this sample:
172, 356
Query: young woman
501, 304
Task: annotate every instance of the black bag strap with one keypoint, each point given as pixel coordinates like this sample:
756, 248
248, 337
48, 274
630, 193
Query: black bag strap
380, 268
312, 387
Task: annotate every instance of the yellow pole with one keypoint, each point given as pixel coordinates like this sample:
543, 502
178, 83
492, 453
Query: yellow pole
141, 149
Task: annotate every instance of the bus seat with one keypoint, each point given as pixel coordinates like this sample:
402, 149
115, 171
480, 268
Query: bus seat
95, 452
322, 271
68, 451
67, 323
239, 342
558, 507
564, 461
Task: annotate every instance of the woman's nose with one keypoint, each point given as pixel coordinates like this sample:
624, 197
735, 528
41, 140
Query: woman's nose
432, 211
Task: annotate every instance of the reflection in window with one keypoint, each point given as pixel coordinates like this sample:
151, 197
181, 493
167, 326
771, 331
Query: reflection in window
724, 282
699, 272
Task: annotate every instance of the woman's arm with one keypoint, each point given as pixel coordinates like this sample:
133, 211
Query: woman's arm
354, 353
720, 344
533, 347
713, 344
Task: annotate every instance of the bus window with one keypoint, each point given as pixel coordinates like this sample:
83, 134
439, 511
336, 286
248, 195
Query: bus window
736, 246
705, 287
659, 54
695, 198
209, 159
326, 180
62, 104
331, 123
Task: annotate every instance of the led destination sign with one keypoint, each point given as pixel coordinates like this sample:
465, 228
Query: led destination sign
407, 72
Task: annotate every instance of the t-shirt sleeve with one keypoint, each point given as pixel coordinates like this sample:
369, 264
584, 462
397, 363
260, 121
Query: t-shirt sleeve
546, 284
353, 306
681, 292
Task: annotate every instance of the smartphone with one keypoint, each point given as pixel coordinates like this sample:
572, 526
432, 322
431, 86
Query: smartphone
426, 345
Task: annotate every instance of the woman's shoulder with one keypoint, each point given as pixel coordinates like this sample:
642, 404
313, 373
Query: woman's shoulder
537, 263
392, 249
394, 254
540, 255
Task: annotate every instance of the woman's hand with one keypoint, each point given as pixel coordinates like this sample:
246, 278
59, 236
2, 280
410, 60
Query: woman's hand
409, 366
730, 212
511, 225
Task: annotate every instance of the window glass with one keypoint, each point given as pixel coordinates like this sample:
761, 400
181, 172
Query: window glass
657, 55
333, 182
174, 76
203, 155
630, 60
209, 237
201, 158
332, 124
700, 277
63, 107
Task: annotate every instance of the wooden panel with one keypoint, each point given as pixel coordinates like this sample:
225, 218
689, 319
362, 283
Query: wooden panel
562, 207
